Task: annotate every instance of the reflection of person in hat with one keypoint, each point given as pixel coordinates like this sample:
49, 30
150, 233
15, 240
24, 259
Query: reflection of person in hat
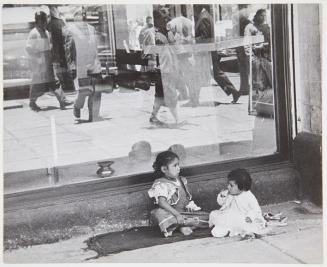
59, 62
38, 47
242, 57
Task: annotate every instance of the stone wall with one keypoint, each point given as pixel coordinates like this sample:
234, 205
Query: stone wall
307, 28
307, 144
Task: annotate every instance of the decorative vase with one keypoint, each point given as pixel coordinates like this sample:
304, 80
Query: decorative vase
105, 169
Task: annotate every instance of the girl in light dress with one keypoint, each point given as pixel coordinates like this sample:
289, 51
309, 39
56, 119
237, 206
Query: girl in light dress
240, 213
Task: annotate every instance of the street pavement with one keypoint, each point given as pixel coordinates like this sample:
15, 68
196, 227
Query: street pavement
301, 241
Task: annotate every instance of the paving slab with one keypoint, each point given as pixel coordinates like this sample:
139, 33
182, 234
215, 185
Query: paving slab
305, 246
207, 250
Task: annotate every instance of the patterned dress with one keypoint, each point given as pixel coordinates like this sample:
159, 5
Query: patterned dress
178, 196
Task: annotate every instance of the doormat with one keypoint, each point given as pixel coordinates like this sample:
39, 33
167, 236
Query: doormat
137, 237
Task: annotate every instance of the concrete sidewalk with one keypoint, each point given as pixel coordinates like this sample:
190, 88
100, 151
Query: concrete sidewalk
301, 241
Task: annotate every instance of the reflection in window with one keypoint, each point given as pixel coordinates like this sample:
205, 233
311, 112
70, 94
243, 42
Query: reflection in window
196, 79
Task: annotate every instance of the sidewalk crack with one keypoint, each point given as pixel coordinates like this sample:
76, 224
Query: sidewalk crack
283, 251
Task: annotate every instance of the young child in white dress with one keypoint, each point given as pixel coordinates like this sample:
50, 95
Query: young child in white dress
240, 213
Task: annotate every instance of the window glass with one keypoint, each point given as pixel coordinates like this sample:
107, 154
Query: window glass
196, 79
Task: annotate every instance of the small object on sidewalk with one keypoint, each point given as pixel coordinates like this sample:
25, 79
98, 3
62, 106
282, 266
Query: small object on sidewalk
105, 169
269, 216
275, 220
297, 201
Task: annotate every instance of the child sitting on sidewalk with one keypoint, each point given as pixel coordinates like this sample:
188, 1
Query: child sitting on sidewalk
240, 213
173, 198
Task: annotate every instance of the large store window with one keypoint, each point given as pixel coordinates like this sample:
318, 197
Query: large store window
196, 79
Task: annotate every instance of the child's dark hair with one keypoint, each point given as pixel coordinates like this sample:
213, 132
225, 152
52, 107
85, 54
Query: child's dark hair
242, 178
163, 159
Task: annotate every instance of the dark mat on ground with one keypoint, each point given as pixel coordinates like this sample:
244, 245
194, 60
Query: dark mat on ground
137, 237
142, 237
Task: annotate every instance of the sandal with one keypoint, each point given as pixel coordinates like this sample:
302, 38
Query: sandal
271, 217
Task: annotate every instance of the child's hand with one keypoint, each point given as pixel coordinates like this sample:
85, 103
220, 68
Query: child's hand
180, 219
222, 197
224, 193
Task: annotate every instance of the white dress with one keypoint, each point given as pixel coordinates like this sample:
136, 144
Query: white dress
231, 217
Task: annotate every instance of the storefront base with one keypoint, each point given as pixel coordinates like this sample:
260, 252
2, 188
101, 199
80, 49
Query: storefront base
46, 216
307, 159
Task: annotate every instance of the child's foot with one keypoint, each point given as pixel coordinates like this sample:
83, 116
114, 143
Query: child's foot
168, 233
186, 230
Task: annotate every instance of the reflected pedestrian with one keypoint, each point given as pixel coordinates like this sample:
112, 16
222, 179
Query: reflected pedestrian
59, 61
82, 61
165, 84
38, 47
242, 57
262, 78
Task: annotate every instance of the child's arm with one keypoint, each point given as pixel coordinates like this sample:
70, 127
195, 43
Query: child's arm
162, 202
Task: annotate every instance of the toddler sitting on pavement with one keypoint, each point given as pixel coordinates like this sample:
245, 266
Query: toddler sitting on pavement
240, 213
